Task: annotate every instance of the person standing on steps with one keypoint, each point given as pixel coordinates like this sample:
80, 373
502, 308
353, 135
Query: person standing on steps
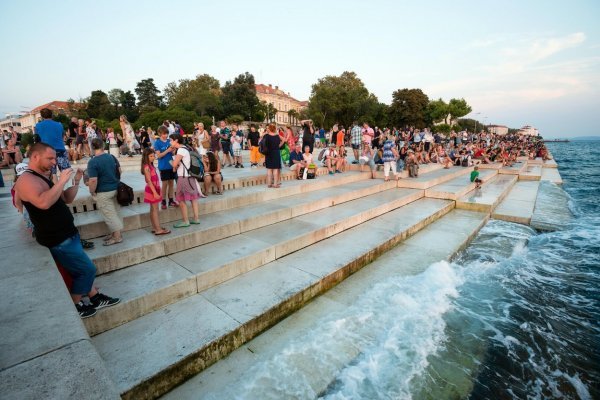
187, 185
355, 140
52, 133
308, 134
164, 153
225, 135
273, 144
104, 172
52, 220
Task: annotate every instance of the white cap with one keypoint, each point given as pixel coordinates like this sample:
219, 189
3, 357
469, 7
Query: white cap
20, 168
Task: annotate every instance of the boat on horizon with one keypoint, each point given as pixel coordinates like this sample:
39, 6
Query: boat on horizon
557, 140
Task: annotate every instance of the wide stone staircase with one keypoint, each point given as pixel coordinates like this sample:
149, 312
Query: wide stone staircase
190, 298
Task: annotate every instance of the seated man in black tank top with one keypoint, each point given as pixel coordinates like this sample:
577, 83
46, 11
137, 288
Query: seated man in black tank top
54, 227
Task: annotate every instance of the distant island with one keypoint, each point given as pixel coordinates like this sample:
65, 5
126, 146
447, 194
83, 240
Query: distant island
585, 138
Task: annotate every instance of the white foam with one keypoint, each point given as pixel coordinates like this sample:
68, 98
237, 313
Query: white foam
373, 348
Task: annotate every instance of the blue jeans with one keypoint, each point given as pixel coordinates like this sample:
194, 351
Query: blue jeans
71, 256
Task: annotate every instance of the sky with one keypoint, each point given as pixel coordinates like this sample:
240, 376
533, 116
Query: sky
515, 62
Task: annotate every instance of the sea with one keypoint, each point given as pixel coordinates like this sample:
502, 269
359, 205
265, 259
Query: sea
516, 315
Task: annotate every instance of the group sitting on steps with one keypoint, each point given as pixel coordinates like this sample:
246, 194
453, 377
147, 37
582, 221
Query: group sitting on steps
43, 197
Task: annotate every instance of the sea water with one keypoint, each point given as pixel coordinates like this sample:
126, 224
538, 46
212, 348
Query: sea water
516, 315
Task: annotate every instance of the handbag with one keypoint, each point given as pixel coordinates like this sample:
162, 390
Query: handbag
205, 142
124, 191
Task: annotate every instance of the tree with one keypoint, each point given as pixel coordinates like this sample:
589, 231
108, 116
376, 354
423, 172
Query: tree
148, 95
98, 106
293, 116
409, 108
458, 108
437, 111
239, 96
155, 118
341, 99
202, 94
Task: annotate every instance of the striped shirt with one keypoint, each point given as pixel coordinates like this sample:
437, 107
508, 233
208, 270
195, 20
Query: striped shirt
356, 135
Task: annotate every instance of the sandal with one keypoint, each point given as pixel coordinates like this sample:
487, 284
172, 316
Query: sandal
181, 225
113, 241
197, 222
277, 186
163, 232
219, 193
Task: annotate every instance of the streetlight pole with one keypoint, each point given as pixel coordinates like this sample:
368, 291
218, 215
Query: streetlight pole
477, 113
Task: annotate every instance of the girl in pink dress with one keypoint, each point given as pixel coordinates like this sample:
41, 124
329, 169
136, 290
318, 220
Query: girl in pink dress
152, 193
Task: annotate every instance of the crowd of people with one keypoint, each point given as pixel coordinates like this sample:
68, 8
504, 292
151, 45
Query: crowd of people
40, 192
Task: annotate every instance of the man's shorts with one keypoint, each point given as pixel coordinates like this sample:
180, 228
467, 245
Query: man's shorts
62, 161
356, 146
226, 146
167, 175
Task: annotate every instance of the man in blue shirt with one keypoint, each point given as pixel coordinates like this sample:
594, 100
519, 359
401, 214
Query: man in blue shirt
297, 160
164, 153
52, 133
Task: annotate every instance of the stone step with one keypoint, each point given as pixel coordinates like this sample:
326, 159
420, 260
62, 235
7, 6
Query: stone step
496, 166
440, 175
518, 205
489, 196
552, 175
531, 173
91, 224
423, 169
516, 169
552, 210
154, 353
458, 187
232, 179
153, 284
550, 164
235, 376
536, 161
140, 245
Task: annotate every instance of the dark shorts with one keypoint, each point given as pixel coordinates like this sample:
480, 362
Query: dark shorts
79, 139
356, 146
167, 175
226, 146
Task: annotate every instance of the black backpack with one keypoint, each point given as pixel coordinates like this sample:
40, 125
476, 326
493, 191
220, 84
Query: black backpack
262, 145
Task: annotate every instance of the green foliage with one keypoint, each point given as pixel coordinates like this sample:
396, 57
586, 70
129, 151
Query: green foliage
409, 108
63, 119
442, 128
155, 118
342, 99
26, 140
99, 106
148, 95
437, 110
206, 120
202, 95
239, 96
458, 108
235, 119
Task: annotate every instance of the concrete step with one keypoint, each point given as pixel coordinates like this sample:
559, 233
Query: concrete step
536, 161
150, 285
232, 179
436, 177
495, 166
552, 175
550, 164
148, 356
518, 205
423, 169
489, 196
552, 210
91, 224
458, 187
235, 376
531, 173
140, 245
516, 169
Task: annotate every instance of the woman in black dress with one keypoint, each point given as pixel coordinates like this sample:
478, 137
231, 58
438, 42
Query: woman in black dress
273, 156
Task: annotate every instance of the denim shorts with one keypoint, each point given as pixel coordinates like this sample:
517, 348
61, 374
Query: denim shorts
71, 256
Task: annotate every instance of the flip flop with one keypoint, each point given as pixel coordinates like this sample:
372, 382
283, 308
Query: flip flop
164, 232
194, 222
181, 225
86, 244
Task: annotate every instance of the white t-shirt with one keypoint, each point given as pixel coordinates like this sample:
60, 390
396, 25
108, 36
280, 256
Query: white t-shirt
185, 160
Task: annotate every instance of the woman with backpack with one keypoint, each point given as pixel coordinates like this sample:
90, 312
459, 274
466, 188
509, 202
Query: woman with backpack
187, 185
